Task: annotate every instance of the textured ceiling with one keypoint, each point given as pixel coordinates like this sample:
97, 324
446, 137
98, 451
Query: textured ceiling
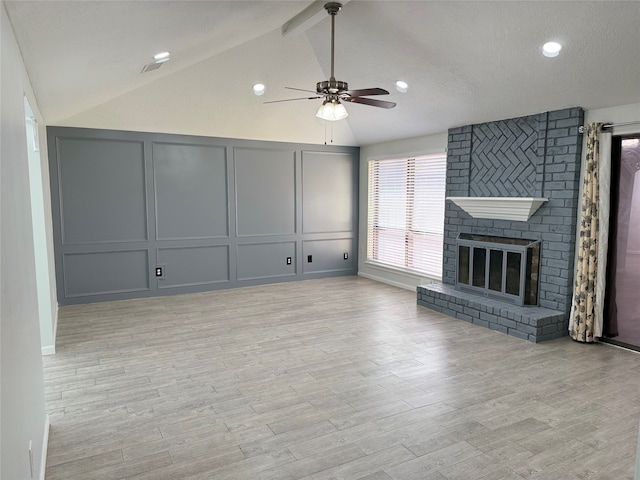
465, 62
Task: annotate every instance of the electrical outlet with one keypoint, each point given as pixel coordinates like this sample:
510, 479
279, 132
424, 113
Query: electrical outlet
309, 258
288, 260
346, 256
159, 272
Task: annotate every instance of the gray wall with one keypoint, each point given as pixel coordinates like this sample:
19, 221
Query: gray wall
212, 212
537, 155
22, 406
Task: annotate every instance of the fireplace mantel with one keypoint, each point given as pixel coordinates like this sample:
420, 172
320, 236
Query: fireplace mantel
499, 208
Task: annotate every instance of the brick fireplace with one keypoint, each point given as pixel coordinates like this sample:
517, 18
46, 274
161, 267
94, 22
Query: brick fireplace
536, 156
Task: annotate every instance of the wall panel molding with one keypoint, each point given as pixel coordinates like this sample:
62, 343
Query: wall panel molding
265, 182
89, 172
191, 191
257, 261
212, 212
326, 180
105, 272
193, 266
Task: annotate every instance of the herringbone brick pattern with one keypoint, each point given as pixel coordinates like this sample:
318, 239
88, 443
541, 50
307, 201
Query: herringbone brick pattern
504, 158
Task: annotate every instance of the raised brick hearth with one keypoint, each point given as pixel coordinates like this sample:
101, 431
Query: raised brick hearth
535, 324
534, 156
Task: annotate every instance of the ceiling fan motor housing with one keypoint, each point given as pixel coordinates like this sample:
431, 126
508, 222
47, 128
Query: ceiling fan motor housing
331, 86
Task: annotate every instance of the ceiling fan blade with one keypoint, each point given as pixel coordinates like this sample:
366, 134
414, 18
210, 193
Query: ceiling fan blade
301, 89
370, 101
365, 92
292, 99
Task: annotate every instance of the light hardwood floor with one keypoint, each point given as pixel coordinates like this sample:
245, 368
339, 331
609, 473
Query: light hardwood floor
341, 378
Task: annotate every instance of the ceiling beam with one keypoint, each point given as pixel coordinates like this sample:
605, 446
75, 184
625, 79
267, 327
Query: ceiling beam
306, 18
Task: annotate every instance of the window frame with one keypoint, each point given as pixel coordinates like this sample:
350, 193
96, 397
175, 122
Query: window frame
412, 230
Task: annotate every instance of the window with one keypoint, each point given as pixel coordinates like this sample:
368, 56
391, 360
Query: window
406, 213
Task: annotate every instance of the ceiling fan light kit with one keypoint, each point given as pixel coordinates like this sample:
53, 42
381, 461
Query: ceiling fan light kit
332, 110
335, 91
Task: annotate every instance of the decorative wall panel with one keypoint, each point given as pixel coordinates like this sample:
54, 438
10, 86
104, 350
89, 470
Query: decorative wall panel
189, 266
266, 260
327, 192
105, 272
191, 191
265, 191
102, 185
209, 212
328, 255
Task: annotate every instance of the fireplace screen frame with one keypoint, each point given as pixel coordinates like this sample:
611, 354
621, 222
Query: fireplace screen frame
529, 252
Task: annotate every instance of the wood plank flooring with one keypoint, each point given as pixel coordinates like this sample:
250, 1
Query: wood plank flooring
340, 378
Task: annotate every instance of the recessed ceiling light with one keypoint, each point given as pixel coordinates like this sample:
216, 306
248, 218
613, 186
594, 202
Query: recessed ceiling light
162, 57
402, 86
258, 89
551, 49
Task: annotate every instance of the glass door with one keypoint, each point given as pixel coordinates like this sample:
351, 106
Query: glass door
627, 243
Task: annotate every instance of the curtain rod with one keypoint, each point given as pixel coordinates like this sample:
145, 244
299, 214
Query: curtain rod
608, 126
611, 125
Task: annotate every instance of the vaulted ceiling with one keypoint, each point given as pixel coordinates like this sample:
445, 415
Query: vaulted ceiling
465, 62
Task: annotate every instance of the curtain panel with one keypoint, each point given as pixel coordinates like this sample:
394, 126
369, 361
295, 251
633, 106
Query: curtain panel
604, 222
585, 322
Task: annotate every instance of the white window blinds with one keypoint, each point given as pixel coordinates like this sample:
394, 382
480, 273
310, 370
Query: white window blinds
406, 213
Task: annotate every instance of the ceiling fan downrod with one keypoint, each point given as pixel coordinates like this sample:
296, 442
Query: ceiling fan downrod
332, 85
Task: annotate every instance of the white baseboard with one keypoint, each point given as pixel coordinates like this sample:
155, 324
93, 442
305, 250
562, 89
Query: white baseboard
55, 324
51, 349
48, 350
45, 447
387, 281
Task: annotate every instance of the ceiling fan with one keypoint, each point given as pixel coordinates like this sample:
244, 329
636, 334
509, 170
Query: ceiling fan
335, 91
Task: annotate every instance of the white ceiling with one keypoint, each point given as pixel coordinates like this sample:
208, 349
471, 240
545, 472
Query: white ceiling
465, 62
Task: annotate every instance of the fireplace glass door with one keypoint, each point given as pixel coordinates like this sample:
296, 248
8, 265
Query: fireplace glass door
497, 267
479, 267
495, 270
514, 265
